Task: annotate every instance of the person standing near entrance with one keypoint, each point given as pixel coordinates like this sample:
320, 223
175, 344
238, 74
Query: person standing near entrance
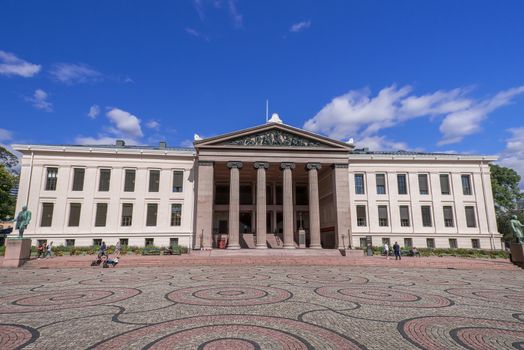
396, 249
386, 250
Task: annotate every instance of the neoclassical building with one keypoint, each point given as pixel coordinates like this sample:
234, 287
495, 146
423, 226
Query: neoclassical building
270, 186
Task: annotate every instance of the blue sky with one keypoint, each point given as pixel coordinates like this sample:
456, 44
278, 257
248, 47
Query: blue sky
433, 75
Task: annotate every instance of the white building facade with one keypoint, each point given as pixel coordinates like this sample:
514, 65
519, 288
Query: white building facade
271, 186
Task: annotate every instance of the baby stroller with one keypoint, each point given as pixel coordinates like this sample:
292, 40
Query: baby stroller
110, 262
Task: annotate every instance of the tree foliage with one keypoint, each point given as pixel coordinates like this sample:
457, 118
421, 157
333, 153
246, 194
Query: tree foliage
505, 186
8, 180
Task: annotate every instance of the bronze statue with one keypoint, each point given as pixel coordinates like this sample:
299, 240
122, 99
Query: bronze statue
22, 221
516, 227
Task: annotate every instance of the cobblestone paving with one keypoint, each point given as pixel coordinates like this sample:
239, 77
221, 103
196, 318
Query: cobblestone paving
272, 307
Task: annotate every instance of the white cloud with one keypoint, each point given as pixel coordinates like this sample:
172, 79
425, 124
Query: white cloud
126, 124
380, 143
359, 113
297, 27
513, 155
94, 111
5, 135
153, 124
236, 17
196, 33
12, 65
39, 101
100, 140
69, 73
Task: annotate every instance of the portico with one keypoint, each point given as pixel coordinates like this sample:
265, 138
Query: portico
257, 188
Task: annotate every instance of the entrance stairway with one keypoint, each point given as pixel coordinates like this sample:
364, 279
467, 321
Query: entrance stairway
274, 241
247, 241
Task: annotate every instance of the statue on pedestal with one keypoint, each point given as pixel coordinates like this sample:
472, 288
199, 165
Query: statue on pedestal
516, 227
22, 221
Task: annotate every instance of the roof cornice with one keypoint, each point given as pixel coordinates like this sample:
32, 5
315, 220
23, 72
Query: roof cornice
26, 148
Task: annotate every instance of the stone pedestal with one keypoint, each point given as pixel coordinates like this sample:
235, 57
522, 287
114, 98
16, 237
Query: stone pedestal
17, 252
517, 253
301, 238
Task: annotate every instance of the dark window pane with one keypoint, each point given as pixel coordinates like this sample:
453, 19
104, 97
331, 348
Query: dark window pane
453, 243
78, 179
101, 214
423, 183
51, 180
152, 211
222, 194
74, 214
279, 194
448, 216
430, 242
359, 184
361, 215
178, 181
47, 214
383, 215
154, 180
444, 184
105, 178
127, 214
246, 194
176, 214
404, 215
466, 185
381, 183
475, 243
470, 217
129, 184
402, 184
408, 242
301, 195
426, 216
269, 195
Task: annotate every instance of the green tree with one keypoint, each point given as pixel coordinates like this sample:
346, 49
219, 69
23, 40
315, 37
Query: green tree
505, 185
8, 180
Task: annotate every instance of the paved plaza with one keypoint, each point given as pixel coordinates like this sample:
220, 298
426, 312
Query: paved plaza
262, 307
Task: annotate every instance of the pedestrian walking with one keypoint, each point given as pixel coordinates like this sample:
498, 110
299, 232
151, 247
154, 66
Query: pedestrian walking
386, 250
118, 247
102, 250
40, 251
396, 249
50, 249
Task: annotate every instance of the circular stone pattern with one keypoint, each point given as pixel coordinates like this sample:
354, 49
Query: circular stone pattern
230, 277
64, 299
493, 295
14, 336
328, 278
383, 297
126, 280
230, 332
32, 280
229, 295
441, 332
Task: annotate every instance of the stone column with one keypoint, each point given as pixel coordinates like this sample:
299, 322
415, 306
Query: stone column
234, 204
204, 206
314, 209
261, 203
288, 204
341, 199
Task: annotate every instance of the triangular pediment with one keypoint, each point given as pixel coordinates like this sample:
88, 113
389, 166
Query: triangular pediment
273, 135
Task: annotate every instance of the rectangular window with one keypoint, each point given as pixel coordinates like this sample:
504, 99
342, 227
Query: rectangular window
51, 180
101, 214
448, 216
105, 178
423, 183
176, 214
359, 184
430, 243
178, 181
426, 216
363, 242
70, 242
453, 243
269, 195
381, 183
152, 211
279, 194
408, 242
74, 214
127, 214
47, 214
78, 179
154, 180
301, 195
475, 243
149, 242
470, 217
173, 242
361, 215
222, 194
444, 184
402, 184
97, 242
246, 195
124, 242
466, 185
383, 215
129, 182
404, 216
386, 241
